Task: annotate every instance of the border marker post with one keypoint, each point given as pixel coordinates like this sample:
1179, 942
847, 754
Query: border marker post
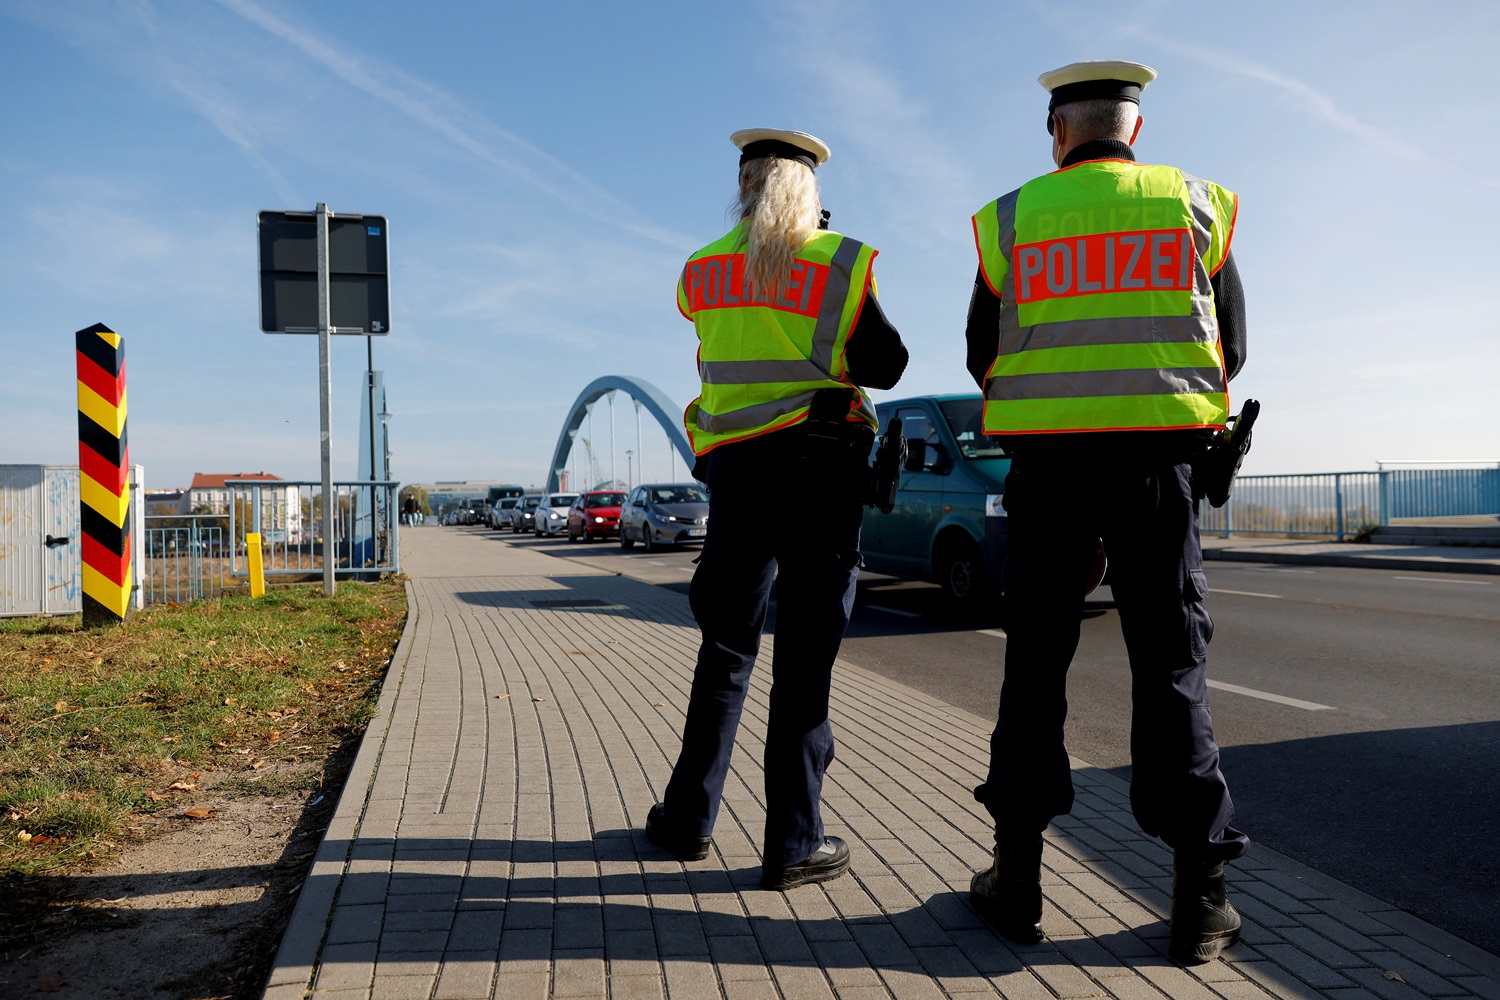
104, 476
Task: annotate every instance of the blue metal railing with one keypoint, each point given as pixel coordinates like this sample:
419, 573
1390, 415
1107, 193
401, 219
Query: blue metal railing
1343, 504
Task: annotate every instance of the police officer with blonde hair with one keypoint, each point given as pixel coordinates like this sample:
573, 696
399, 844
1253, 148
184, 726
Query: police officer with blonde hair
789, 333
1106, 322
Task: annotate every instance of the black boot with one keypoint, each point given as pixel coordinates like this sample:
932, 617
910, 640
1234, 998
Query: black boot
1009, 892
1204, 922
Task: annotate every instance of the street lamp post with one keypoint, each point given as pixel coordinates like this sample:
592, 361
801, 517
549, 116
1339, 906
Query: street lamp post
629, 475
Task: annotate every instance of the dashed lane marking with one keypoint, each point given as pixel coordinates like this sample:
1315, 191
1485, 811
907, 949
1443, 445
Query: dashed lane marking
1242, 593
894, 611
1279, 699
1431, 579
997, 633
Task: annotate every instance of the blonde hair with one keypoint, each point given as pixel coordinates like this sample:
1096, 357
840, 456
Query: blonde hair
780, 199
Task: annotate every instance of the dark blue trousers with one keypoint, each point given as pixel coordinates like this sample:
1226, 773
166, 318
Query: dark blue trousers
1149, 524
774, 520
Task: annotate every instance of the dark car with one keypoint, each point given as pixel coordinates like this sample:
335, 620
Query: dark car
523, 517
664, 514
595, 515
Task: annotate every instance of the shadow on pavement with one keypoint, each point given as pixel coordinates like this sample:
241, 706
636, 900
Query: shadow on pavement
1423, 806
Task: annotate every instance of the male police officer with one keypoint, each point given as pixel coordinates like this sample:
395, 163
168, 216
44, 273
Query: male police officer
789, 329
1106, 321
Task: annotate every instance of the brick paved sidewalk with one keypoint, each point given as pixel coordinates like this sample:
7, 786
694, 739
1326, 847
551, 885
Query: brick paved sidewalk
489, 843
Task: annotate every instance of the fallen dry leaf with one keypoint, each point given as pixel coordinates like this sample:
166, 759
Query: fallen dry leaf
231, 701
42, 838
659, 704
1394, 976
183, 786
22, 836
290, 711
155, 796
274, 737
198, 813
259, 764
274, 715
60, 706
502, 696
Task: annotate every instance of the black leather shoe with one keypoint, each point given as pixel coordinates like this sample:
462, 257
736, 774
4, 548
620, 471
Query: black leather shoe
1204, 921
827, 862
662, 835
1009, 892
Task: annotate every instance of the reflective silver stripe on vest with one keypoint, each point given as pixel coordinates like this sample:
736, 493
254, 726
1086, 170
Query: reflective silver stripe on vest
835, 294
747, 417
748, 372
1005, 218
1122, 330
1124, 382
1204, 221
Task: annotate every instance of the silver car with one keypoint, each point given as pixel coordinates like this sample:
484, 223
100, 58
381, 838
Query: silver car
502, 511
664, 514
552, 514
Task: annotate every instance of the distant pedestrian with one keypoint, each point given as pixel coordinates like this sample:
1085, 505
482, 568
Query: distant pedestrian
789, 329
410, 510
1105, 324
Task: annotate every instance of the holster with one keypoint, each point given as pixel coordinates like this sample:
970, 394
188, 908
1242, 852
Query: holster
829, 437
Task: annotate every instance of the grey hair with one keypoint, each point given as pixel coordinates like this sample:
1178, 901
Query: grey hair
1101, 118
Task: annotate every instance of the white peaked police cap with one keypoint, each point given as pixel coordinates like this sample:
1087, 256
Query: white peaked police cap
789, 144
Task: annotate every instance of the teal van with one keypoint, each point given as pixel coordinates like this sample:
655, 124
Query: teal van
948, 525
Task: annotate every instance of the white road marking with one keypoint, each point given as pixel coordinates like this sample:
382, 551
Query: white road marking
1220, 568
1429, 579
1241, 593
1279, 699
992, 631
894, 611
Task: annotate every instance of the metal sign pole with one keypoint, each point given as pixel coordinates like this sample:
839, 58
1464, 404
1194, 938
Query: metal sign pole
325, 399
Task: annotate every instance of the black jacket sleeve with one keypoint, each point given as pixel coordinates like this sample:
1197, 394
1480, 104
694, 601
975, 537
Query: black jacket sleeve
874, 354
1229, 306
983, 330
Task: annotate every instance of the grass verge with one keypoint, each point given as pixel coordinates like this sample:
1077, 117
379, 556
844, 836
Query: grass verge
101, 725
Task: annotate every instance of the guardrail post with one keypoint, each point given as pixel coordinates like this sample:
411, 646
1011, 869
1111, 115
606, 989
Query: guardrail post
1384, 514
1338, 504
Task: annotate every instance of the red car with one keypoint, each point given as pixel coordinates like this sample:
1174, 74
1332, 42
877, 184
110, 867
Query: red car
595, 515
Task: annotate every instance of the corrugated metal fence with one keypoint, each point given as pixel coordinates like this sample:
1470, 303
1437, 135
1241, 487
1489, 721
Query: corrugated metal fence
1342, 504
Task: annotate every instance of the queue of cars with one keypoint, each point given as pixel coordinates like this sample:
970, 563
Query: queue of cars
655, 514
949, 523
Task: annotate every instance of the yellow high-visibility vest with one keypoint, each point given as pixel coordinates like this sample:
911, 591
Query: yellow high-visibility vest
1107, 312
761, 357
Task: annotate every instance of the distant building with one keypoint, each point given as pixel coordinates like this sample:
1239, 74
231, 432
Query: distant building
209, 495
442, 494
166, 502
281, 506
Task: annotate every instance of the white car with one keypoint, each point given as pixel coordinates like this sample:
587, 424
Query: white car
552, 514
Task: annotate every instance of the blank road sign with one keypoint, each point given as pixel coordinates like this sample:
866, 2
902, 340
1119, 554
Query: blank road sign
358, 283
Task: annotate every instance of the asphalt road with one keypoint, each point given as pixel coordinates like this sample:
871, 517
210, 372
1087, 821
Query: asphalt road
1358, 710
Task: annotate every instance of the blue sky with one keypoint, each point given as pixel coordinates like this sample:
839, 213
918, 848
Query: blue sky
546, 168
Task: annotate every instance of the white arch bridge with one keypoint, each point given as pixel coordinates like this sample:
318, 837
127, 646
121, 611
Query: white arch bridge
645, 396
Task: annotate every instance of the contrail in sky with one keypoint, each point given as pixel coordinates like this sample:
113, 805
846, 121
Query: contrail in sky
1314, 101
438, 111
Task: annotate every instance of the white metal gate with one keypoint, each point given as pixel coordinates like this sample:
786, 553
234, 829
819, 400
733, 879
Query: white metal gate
41, 548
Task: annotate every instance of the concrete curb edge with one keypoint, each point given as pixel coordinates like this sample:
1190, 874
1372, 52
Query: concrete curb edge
296, 958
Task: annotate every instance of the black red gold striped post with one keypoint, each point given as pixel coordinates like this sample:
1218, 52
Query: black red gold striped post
104, 481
